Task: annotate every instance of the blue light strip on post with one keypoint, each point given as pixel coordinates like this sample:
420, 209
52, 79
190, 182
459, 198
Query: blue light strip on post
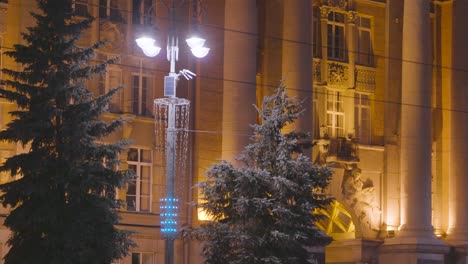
169, 208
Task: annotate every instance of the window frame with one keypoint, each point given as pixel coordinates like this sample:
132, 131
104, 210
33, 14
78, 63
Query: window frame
111, 10
116, 103
140, 105
141, 255
335, 99
332, 48
360, 104
370, 52
139, 15
139, 163
84, 4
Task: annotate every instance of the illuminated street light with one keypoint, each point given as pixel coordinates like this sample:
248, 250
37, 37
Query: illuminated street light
172, 106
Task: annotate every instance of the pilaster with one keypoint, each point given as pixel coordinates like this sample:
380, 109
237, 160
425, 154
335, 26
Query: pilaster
297, 58
239, 85
458, 196
415, 242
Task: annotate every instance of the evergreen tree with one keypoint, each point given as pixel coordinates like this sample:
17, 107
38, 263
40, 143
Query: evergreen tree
263, 212
63, 201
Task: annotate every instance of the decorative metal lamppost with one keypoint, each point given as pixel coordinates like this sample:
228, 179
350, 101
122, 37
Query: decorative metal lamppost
174, 112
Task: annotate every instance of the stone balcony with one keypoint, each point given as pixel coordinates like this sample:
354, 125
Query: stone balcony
338, 74
338, 149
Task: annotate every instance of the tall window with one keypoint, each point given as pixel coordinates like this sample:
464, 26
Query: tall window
1, 58
365, 51
140, 11
142, 258
336, 44
362, 118
142, 95
335, 114
315, 114
80, 7
139, 189
109, 9
317, 46
112, 79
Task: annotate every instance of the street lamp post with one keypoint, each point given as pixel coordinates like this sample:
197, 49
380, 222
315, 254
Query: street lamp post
171, 105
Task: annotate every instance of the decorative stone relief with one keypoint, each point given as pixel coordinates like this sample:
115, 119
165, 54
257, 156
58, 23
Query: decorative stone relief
111, 33
316, 70
359, 194
324, 11
343, 4
351, 17
365, 80
337, 75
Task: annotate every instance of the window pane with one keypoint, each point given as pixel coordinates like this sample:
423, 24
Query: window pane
136, 94
330, 41
131, 189
147, 258
136, 11
145, 188
132, 155
365, 22
339, 17
135, 258
131, 203
102, 84
145, 173
339, 42
145, 155
102, 8
144, 91
144, 204
365, 49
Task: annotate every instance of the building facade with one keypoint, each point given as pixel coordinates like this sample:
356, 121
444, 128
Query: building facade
383, 83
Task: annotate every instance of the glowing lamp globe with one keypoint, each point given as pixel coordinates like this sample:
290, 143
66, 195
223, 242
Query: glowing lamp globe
195, 42
200, 52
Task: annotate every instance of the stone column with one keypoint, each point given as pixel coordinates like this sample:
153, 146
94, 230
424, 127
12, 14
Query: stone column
297, 58
415, 242
458, 180
239, 85
415, 166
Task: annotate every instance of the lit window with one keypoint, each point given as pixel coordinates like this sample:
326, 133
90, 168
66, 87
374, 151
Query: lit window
142, 258
140, 12
139, 189
364, 56
315, 114
80, 7
1, 57
109, 9
362, 118
336, 44
335, 114
142, 100
110, 80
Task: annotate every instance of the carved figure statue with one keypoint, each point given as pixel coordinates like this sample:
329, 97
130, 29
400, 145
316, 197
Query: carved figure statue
360, 196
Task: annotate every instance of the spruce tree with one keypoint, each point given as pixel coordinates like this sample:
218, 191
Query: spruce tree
62, 192
262, 212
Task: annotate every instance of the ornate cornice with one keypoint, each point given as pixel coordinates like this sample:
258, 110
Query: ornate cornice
343, 4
